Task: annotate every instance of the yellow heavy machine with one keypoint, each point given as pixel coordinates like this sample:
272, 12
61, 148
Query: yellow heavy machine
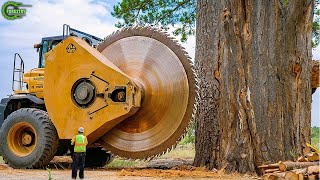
133, 92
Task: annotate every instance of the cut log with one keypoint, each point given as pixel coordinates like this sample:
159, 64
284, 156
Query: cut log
285, 166
306, 150
271, 176
277, 176
62, 159
312, 156
291, 175
313, 177
300, 171
313, 169
288, 175
267, 166
277, 171
266, 177
271, 170
302, 159
301, 176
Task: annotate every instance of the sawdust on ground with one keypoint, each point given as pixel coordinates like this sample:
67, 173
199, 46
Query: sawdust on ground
189, 172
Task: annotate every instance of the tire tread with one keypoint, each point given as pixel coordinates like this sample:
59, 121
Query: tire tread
50, 139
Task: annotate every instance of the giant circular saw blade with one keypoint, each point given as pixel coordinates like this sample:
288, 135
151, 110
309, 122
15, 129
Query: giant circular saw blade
161, 67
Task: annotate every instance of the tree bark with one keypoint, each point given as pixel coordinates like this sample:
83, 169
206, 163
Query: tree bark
207, 123
253, 62
315, 75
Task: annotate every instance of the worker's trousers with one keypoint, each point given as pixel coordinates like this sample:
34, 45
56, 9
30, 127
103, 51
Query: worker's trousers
78, 161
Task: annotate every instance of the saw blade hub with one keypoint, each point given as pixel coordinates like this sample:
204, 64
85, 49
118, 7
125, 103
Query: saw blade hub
83, 93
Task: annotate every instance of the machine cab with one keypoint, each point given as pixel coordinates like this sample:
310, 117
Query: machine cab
31, 82
48, 43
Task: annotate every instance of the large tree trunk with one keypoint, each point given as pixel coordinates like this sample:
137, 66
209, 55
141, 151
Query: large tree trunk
252, 58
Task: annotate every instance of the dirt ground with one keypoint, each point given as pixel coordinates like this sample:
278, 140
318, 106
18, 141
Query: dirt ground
177, 164
177, 172
117, 174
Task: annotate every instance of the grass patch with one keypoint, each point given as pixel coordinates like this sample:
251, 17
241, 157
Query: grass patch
122, 163
315, 142
1, 159
181, 151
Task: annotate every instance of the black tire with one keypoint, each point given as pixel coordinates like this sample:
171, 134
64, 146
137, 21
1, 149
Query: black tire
97, 157
44, 146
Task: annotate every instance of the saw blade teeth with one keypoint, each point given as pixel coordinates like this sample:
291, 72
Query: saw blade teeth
193, 116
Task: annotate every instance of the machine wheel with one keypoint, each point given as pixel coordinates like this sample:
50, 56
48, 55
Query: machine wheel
28, 139
97, 157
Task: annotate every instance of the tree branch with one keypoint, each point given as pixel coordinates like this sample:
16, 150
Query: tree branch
170, 13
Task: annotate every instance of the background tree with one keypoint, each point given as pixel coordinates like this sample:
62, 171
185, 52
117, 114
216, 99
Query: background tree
253, 62
179, 14
315, 132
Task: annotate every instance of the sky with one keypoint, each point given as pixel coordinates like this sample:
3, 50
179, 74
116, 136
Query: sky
46, 17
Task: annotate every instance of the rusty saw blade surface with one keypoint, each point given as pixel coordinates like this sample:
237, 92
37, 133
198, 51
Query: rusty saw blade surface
162, 68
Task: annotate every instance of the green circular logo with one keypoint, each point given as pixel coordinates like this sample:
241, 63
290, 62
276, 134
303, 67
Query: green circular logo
10, 10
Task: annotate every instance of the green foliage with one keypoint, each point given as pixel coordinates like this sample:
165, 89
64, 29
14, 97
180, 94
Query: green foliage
315, 132
180, 14
190, 135
315, 142
293, 154
284, 2
49, 174
315, 136
189, 138
316, 25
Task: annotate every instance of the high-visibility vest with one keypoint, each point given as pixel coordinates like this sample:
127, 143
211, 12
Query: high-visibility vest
80, 142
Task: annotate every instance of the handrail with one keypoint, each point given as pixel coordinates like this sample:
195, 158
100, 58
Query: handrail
20, 70
66, 31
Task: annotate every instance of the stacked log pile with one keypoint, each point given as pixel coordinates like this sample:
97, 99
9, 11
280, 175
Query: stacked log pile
306, 168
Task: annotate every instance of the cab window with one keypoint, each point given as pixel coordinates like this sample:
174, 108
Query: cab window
43, 51
46, 47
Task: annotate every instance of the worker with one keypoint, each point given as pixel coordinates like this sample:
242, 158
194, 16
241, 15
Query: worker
80, 142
